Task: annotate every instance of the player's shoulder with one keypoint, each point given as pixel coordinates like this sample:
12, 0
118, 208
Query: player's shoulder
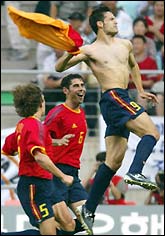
28, 123
28, 120
56, 110
54, 113
126, 42
86, 49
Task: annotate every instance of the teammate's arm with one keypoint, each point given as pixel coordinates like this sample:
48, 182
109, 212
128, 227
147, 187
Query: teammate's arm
44, 161
63, 141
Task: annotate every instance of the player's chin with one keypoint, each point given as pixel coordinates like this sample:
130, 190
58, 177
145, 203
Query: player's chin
81, 100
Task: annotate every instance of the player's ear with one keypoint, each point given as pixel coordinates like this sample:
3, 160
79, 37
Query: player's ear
99, 24
65, 90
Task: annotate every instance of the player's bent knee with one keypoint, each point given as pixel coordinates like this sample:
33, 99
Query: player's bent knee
152, 131
155, 134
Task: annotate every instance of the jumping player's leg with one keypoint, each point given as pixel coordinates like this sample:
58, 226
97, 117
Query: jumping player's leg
115, 151
144, 127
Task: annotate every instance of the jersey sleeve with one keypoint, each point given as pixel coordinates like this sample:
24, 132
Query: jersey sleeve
10, 146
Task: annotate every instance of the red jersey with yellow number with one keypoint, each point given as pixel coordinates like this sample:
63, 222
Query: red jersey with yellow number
62, 120
30, 134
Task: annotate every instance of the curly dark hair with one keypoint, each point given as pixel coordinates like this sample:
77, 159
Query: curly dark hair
27, 99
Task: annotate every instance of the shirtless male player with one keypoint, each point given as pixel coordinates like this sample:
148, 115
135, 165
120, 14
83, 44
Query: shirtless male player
111, 60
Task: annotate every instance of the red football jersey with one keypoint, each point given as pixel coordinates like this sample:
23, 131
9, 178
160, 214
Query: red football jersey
10, 147
62, 120
150, 22
30, 134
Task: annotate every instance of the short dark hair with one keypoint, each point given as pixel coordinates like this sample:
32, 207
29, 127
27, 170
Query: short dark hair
141, 19
97, 15
138, 36
66, 81
27, 99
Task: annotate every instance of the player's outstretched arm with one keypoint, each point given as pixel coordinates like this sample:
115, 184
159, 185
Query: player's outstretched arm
68, 60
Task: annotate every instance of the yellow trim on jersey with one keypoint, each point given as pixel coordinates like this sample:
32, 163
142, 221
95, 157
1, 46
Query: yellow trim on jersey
38, 147
34, 117
75, 111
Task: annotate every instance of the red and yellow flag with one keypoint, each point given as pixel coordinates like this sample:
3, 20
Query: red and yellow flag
47, 30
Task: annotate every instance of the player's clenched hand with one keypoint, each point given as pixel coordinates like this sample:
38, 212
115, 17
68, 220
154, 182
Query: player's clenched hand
68, 180
149, 96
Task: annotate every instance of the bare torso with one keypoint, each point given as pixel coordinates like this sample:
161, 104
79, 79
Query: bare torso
109, 63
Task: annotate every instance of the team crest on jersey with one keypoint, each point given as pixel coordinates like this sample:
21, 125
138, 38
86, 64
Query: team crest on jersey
74, 126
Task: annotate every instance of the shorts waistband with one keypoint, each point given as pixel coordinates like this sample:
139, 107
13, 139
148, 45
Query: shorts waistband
121, 89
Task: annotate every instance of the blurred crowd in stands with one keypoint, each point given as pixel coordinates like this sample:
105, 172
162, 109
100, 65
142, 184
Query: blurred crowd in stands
142, 22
